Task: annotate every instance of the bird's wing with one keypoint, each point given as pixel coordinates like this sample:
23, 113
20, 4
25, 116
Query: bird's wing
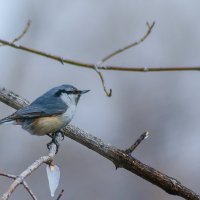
37, 110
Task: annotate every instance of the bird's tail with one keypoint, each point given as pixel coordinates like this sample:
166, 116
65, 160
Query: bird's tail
6, 119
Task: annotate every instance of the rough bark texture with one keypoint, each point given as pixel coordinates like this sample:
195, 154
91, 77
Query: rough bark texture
117, 156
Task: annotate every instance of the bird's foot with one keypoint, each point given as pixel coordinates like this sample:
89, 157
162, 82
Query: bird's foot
54, 141
62, 134
53, 135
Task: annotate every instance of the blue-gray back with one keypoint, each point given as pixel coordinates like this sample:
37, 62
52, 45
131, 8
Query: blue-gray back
46, 105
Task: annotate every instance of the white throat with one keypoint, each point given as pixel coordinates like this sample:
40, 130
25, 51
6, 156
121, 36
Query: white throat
68, 99
71, 103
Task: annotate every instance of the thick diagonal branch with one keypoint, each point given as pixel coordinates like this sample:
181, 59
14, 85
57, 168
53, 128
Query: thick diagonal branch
117, 156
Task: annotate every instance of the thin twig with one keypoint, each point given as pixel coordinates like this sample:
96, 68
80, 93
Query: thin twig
28, 24
23, 33
29, 170
117, 156
29, 190
108, 93
106, 58
142, 137
91, 66
60, 195
8, 175
149, 26
122, 160
23, 183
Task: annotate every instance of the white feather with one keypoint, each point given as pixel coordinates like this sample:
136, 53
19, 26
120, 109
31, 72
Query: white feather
70, 100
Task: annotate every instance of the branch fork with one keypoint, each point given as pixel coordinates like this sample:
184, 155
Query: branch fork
119, 157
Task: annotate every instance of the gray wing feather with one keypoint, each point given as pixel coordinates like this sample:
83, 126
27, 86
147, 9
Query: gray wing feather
41, 107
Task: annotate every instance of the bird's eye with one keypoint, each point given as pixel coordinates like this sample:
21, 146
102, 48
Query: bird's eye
59, 92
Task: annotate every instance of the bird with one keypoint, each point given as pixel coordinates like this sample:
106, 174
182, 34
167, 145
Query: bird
49, 113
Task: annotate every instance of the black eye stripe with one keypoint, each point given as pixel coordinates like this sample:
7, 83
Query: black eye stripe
71, 92
58, 93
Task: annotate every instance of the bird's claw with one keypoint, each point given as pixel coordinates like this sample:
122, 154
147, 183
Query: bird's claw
53, 135
53, 141
62, 135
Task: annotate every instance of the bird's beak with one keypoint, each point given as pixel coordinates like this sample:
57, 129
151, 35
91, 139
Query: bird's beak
84, 91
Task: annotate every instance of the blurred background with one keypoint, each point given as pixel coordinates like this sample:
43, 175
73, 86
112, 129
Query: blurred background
165, 104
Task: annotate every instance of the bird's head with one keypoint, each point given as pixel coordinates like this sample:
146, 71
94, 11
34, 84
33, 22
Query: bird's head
69, 93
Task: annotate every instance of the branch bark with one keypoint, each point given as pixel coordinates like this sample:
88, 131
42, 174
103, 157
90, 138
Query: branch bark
118, 51
93, 66
119, 157
23, 183
28, 24
20, 179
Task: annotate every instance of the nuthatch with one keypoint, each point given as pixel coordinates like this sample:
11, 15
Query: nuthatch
48, 113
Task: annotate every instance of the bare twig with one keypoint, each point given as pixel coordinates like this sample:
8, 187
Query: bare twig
91, 66
8, 175
122, 160
149, 26
22, 34
100, 63
29, 190
108, 93
117, 156
60, 195
28, 24
23, 183
142, 137
29, 170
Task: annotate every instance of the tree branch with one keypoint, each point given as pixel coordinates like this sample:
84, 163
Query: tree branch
149, 26
98, 66
108, 93
28, 171
92, 66
15, 101
28, 24
23, 183
60, 195
142, 137
115, 155
109, 56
